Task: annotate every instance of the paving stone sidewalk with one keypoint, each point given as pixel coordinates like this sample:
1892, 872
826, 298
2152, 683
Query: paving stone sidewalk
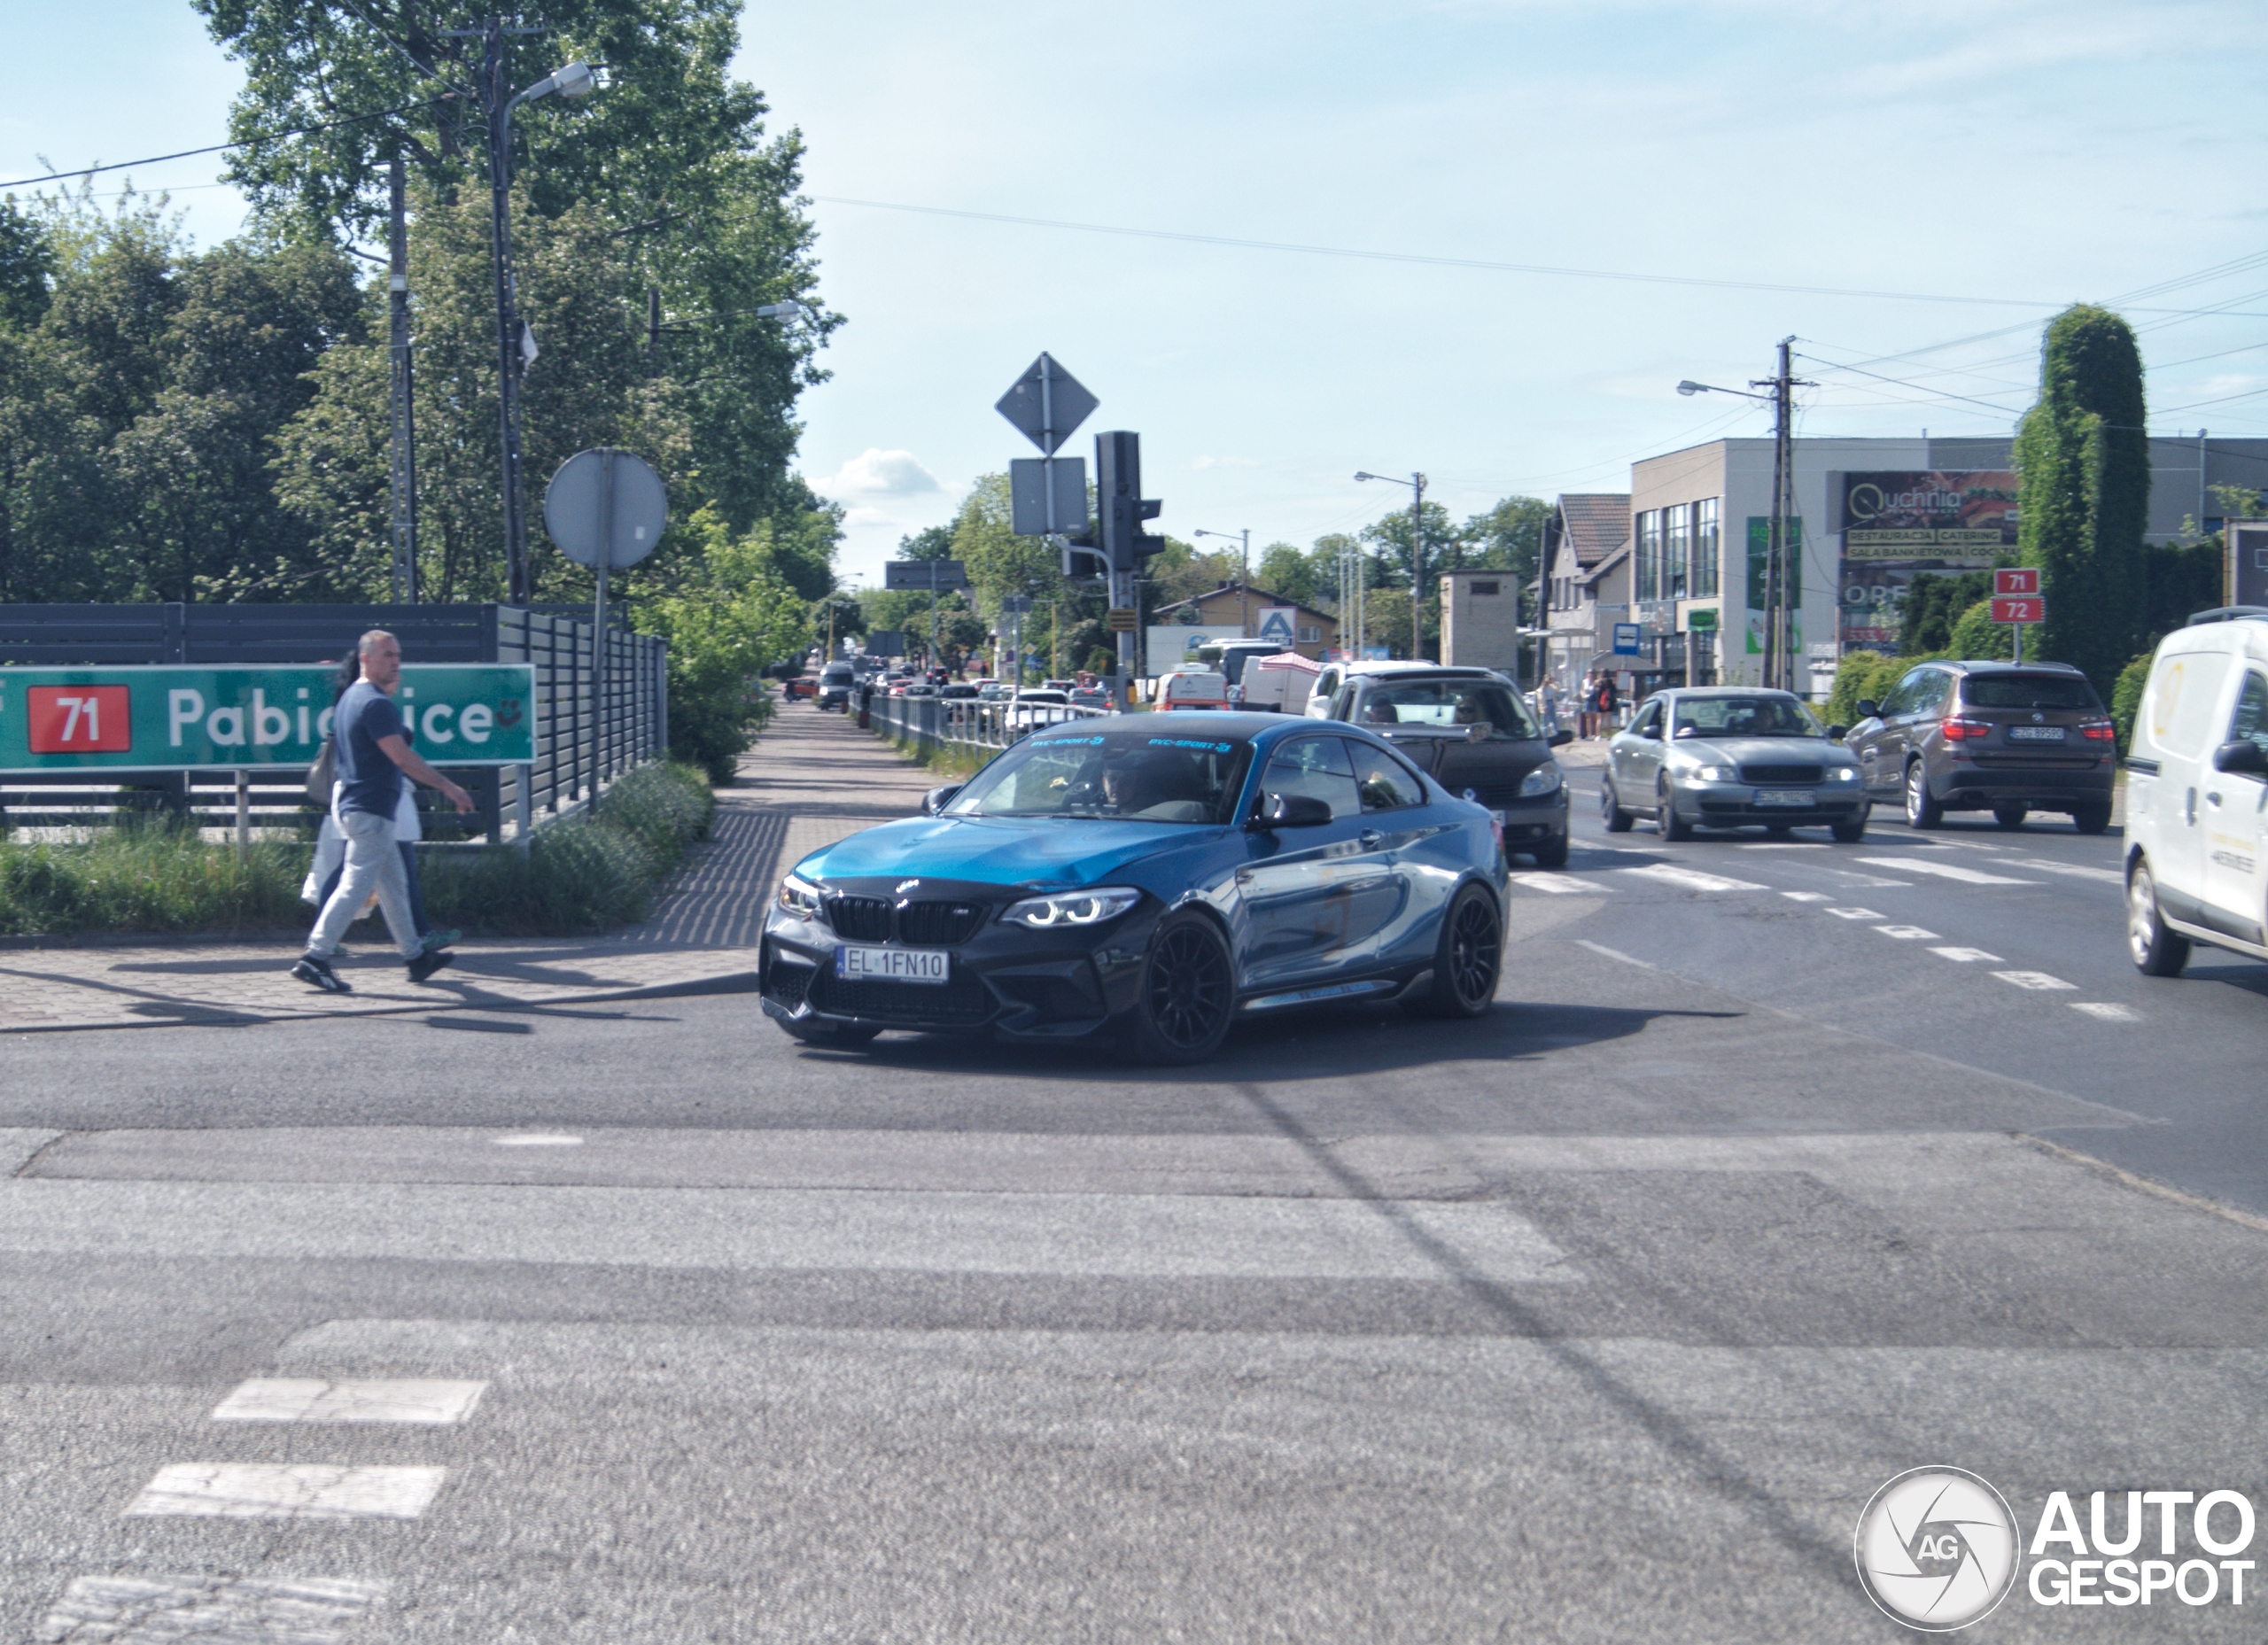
812, 777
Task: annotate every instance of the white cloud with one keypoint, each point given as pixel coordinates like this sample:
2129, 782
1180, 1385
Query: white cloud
877, 473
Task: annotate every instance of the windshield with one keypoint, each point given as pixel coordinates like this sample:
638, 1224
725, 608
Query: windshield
2027, 691
1745, 716
1453, 705
1134, 775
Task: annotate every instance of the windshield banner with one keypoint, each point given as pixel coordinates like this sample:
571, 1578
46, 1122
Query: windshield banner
164, 719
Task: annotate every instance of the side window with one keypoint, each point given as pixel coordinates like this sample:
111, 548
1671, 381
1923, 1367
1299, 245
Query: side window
2178, 710
1315, 767
1649, 723
2249, 723
1385, 782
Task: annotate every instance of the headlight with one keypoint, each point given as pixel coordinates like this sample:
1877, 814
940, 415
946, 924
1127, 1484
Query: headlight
1544, 780
1713, 773
1072, 908
1843, 774
799, 899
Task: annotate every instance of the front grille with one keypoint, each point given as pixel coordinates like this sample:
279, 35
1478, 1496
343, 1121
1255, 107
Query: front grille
1496, 795
939, 924
860, 918
1780, 773
786, 983
962, 1000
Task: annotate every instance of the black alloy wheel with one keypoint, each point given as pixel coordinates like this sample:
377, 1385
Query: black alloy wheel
1851, 829
1610, 811
1469, 960
1188, 992
1552, 853
1667, 823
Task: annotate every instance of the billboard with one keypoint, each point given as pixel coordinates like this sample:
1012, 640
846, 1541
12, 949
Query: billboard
1901, 524
1760, 548
1171, 644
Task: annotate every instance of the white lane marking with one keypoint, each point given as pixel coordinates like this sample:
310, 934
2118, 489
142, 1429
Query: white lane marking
1804, 896
2107, 1012
1613, 953
1943, 871
2039, 980
538, 1139
1692, 878
1558, 885
221, 1610
1855, 913
312, 1400
288, 1491
1784, 845
1963, 956
1907, 933
1870, 881
2077, 871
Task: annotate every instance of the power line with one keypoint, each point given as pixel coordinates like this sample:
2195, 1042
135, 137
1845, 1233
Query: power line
217, 148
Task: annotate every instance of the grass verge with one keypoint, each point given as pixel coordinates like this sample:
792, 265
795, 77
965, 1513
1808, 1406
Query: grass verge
576, 877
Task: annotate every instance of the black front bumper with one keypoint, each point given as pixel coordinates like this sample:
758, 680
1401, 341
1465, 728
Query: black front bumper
1004, 978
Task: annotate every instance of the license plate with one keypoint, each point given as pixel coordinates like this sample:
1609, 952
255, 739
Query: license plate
892, 964
1784, 796
2035, 734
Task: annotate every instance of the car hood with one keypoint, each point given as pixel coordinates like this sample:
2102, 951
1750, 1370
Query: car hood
999, 851
1764, 750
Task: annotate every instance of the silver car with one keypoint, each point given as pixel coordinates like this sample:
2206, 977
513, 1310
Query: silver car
1731, 757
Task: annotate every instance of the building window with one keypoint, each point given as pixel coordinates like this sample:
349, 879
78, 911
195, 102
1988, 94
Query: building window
1480, 589
1674, 552
1705, 555
1310, 635
1646, 573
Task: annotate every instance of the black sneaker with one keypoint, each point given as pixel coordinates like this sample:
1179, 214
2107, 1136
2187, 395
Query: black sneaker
318, 972
425, 965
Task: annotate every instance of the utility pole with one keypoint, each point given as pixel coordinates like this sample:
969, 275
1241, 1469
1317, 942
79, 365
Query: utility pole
652, 330
1779, 626
494, 87
404, 416
1418, 567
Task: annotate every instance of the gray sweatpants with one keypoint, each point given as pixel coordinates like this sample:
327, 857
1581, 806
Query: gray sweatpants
372, 860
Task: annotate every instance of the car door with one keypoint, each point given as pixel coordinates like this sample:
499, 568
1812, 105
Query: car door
1400, 891
1868, 739
1308, 897
2234, 815
1638, 758
1886, 773
2174, 732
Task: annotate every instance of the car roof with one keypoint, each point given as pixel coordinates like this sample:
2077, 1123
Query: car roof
1724, 691
1440, 670
1989, 665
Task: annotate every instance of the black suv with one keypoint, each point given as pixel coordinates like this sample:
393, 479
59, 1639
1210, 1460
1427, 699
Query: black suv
2005, 737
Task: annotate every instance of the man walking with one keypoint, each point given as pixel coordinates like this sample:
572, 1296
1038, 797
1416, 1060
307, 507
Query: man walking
373, 751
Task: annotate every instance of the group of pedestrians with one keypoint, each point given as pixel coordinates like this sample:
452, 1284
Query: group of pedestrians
1597, 704
367, 826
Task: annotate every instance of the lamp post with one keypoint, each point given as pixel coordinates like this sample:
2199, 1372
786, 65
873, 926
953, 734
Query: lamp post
575, 80
1416, 484
1244, 575
1779, 666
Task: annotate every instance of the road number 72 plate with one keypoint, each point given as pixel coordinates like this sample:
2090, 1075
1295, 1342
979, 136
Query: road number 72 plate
892, 964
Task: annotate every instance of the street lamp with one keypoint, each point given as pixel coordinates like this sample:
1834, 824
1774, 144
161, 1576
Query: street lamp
1779, 666
1416, 484
1244, 575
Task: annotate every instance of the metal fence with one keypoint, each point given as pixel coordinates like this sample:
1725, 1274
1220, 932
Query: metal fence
932, 723
601, 710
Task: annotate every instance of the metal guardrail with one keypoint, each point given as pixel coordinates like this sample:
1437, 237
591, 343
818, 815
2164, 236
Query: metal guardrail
933, 723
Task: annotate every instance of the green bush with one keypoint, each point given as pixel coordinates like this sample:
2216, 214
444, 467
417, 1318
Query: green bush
1862, 674
1977, 637
149, 876
2126, 698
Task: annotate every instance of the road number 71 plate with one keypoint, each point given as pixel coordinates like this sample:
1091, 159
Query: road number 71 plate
892, 964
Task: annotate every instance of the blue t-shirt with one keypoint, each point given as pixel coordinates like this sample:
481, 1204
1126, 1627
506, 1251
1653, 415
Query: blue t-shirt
372, 782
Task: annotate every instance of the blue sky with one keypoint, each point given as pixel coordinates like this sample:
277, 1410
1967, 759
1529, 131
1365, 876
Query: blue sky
1995, 149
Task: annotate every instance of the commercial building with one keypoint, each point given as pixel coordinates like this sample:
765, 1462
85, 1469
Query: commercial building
1255, 614
1869, 515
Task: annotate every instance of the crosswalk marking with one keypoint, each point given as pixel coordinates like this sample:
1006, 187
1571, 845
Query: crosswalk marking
1854, 913
538, 1139
1692, 878
1558, 885
1804, 896
223, 1610
287, 1490
1907, 933
1943, 871
2039, 980
312, 1400
1870, 882
1964, 956
2077, 871
2106, 1012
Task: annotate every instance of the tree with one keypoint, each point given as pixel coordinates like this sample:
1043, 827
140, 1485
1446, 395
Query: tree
2084, 462
26, 266
1975, 635
931, 542
1291, 572
1933, 604
733, 618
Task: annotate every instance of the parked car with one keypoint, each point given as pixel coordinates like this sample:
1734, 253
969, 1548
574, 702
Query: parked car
835, 686
2003, 737
1101, 881
1730, 756
1337, 681
1472, 734
1031, 709
958, 693
1192, 688
1091, 697
2196, 844
992, 691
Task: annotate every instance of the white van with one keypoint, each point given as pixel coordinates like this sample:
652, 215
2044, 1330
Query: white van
2197, 794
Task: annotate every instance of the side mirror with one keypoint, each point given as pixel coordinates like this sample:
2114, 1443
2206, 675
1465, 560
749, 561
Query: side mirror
1561, 739
2244, 757
1835, 733
1868, 709
1294, 811
1653, 734
937, 799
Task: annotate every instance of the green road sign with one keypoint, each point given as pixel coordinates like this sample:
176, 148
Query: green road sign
135, 718
1702, 621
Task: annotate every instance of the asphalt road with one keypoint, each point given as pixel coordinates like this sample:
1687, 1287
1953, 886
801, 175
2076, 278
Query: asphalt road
1598, 1319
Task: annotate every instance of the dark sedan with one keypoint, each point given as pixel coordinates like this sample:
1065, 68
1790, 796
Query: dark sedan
1149, 876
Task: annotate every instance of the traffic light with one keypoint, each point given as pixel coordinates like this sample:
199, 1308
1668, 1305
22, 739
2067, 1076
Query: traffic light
1120, 507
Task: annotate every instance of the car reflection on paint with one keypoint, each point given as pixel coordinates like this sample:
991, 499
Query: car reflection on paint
1148, 878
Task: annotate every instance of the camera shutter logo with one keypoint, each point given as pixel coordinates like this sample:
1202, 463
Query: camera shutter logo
1937, 1548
